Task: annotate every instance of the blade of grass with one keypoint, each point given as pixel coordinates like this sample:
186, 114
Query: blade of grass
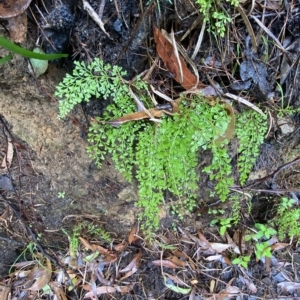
5, 43
5, 59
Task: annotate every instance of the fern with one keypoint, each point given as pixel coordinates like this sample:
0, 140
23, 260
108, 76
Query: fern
164, 155
250, 130
96, 79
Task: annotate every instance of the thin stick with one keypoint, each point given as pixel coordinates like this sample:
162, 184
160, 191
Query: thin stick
94, 16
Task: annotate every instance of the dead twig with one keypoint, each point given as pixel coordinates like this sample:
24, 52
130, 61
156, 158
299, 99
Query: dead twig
94, 16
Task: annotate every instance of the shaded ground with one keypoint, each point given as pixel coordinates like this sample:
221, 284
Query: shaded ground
53, 184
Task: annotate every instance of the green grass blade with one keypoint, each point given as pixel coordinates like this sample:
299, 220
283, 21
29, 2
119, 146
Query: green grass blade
5, 59
27, 53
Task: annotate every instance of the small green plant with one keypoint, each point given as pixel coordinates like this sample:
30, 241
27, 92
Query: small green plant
263, 250
98, 233
242, 260
225, 224
250, 130
164, 155
284, 110
287, 219
73, 241
263, 232
215, 15
216, 211
61, 195
236, 207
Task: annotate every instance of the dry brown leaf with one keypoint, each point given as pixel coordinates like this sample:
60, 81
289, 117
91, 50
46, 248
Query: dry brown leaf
4, 291
58, 291
213, 257
87, 245
165, 263
177, 261
132, 235
120, 247
8, 157
165, 51
17, 27
250, 285
100, 291
125, 289
44, 278
185, 256
229, 293
128, 274
279, 246
219, 248
203, 242
133, 263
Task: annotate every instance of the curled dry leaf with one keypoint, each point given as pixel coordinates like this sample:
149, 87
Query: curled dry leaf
250, 285
4, 291
44, 278
120, 247
279, 246
132, 235
175, 65
109, 290
100, 291
229, 293
87, 245
58, 291
165, 263
7, 158
133, 263
219, 248
177, 261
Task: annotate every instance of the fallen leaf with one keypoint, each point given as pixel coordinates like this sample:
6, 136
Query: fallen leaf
279, 246
185, 256
165, 263
203, 242
4, 291
166, 52
132, 235
100, 291
58, 291
219, 248
128, 274
177, 261
7, 159
120, 247
250, 285
87, 245
44, 278
213, 257
287, 286
228, 293
133, 263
